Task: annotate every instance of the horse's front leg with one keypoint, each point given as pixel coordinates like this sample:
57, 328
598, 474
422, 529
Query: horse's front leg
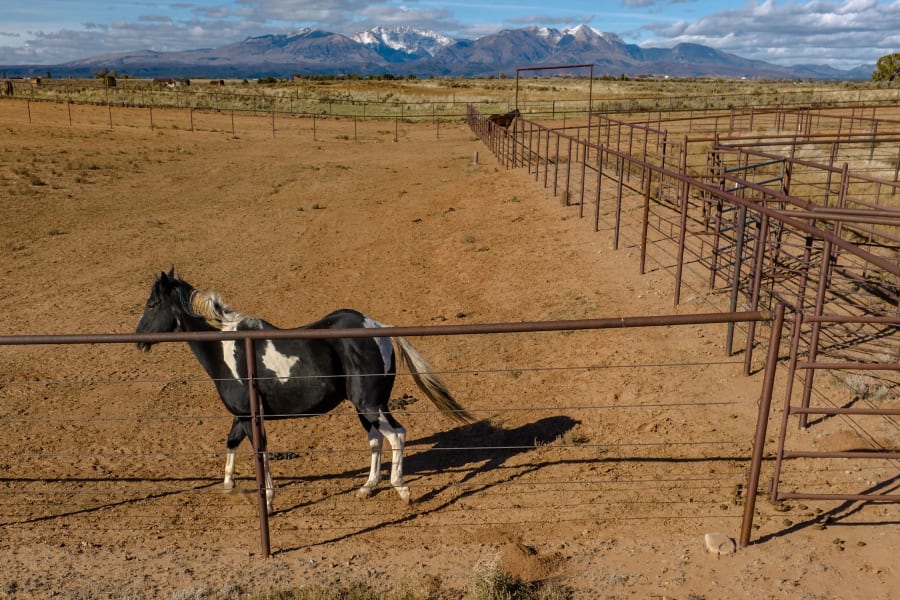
239, 430
270, 486
235, 437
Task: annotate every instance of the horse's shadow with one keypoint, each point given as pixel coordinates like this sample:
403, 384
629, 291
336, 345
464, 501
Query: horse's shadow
480, 448
470, 450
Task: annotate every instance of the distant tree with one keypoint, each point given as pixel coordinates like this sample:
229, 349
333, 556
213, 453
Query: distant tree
108, 77
887, 68
106, 72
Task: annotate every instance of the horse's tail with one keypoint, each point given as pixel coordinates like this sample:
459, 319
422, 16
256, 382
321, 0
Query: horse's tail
430, 383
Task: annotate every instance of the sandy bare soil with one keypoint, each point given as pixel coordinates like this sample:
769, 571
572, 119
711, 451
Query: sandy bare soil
601, 458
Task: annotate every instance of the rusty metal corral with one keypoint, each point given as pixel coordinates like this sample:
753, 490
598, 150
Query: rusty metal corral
753, 210
248, 336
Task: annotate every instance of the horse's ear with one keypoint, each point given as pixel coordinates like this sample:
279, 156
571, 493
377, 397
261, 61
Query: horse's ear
167, 277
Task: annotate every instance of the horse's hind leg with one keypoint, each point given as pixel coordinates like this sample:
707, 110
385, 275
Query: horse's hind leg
385, 426
396, 436
235, 437
375, 441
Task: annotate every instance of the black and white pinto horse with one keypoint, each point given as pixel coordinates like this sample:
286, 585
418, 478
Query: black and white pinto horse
298, 377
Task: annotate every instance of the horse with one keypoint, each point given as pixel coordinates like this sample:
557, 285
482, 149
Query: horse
298, 377
504, 120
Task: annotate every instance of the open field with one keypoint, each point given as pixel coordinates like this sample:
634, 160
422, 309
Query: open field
418, 99
601, 460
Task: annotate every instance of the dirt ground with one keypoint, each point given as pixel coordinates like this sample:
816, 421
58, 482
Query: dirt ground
601, 458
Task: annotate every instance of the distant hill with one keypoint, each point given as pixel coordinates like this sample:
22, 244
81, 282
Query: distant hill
406, 51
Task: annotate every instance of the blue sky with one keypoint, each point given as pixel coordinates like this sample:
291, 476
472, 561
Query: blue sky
840, 33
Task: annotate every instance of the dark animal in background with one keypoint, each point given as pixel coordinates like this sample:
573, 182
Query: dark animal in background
505, 120
298, 377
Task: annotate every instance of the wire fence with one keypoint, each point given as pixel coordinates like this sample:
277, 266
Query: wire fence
236, 122
157, 469
390, 97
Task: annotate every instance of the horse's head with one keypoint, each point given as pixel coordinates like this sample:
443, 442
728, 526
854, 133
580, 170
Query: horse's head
159, 314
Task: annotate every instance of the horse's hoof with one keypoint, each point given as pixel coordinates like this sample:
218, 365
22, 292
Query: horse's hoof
228, 485
363, 493
404, 494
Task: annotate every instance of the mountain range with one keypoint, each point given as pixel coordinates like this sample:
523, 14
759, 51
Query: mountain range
406, 51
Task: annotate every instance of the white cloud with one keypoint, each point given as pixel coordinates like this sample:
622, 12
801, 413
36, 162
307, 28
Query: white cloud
156, 33
842, 34
215, 25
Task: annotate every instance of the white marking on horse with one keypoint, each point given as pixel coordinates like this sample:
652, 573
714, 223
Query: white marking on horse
384, 344
270, 485
375, 441
229, 348
229, 470
396, 437
280, 363
210, 307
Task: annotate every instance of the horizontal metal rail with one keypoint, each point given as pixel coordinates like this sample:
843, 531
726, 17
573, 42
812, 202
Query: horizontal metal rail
836, 454
363, 332
844, 497
801, 410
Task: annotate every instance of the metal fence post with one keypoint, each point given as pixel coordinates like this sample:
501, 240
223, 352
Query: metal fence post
259, 447
599, 184
618, 220
683, 222
758, 259
736, 274
762, 423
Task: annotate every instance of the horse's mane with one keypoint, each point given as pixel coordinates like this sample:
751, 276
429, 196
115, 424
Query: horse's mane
210, 307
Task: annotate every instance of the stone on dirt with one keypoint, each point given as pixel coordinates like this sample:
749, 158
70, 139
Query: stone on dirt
719, 544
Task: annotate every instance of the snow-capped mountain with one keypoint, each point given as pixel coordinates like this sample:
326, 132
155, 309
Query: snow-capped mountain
409, 51
405, 41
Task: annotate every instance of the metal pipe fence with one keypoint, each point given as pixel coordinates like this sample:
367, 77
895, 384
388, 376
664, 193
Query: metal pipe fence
753, 227
248, 337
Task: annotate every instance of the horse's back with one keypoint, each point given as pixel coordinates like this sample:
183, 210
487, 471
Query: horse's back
343, 318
